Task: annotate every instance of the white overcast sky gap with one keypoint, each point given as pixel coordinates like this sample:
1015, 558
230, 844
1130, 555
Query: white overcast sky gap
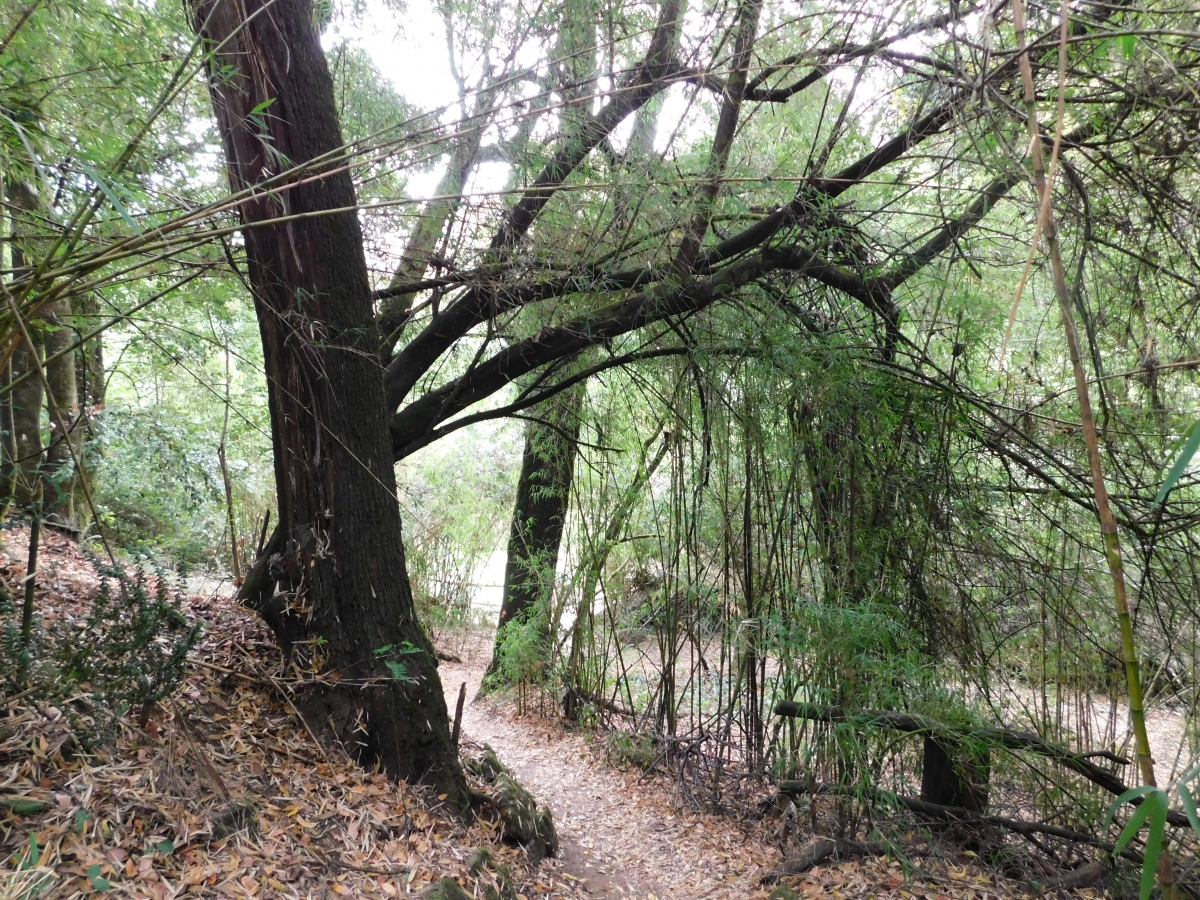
410, 50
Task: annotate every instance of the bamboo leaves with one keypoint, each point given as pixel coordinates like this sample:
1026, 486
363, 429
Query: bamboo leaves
1153, 809
1188, 444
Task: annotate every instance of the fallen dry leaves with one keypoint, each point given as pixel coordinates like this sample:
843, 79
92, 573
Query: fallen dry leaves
225, 794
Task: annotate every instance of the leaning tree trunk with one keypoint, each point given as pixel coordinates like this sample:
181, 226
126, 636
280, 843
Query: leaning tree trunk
90, 387
539, 515
8, 447
52, 333
431, 225
26, 406
548, 462
343, 598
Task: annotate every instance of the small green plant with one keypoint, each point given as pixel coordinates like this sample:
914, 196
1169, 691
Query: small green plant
98, 881
29, 879
633, 749
522, 653
128, 652
1188, 444
132, 648
1153, 810
396, 667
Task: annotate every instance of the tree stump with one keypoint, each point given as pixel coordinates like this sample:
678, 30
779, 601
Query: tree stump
954, 775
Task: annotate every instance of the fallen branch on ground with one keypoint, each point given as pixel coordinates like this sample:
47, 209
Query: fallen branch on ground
816, 852
1003, 737
962, 816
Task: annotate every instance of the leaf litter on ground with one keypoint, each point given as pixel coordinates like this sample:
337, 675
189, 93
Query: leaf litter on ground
224, 794
227, 793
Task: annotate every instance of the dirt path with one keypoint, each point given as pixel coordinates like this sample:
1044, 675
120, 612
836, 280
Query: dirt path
619, 834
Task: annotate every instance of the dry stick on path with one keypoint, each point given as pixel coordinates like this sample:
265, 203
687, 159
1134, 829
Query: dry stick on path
458, 711
1108, 524
957, 814
35, 531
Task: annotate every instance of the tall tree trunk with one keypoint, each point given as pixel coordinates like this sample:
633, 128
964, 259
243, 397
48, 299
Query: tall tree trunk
343, 595
31, 219
548, 462
59, 476
8, 447
89, 391
27, 428
539, 514
27, 398
431, 225
727, 123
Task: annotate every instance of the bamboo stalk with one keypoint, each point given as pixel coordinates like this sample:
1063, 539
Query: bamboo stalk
35, 531
233, 538
1108, 523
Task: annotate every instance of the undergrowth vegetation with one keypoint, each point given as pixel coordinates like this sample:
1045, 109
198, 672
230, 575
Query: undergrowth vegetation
119, 652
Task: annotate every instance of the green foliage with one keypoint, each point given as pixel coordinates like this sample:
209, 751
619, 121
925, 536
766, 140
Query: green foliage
127, 653
156, 472
456, 499
390, 653
522, 658
1151, 809
1189, 443
632, 748
133, 646
159, 487
30, 879
97, 881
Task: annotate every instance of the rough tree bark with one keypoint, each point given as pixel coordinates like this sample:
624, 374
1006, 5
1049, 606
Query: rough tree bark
540, 512
27, 429
47, 472
59, 476
90, 387
343, 599
8, 447
25, 405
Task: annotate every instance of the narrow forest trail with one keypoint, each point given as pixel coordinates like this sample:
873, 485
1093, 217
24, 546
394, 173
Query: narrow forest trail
619, 833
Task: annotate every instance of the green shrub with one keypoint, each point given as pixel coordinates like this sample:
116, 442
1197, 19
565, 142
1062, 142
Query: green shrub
632, 749
129, 652
521, 654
